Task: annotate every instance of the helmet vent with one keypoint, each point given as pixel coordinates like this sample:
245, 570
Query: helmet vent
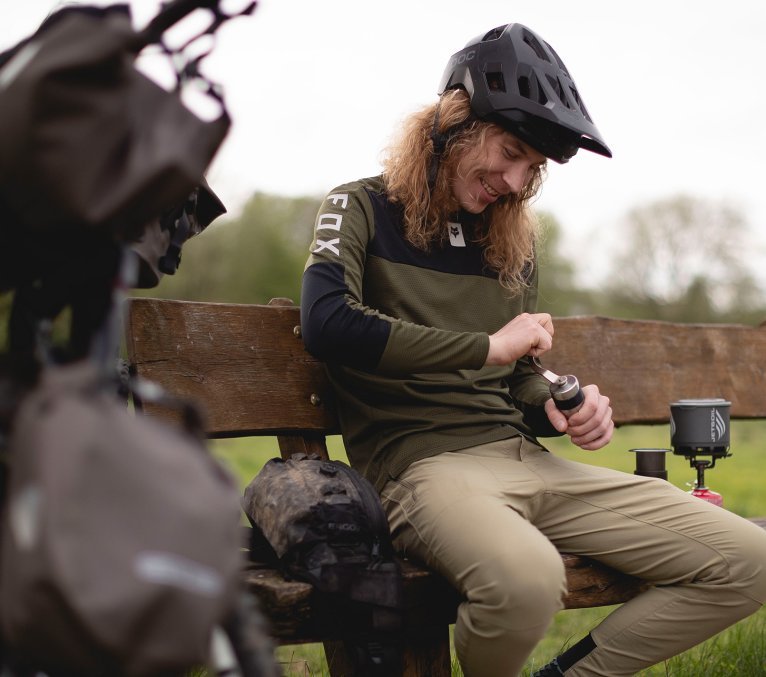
558, 60
493, 76
580, 104
537, 48
559, 89
529, 88
495, 33
495, 81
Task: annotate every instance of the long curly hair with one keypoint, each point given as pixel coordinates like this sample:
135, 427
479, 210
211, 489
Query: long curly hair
507, 229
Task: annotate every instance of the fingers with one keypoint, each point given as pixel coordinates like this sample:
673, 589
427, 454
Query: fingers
545, 321
555, 416
526, 334
596, 439
591, 427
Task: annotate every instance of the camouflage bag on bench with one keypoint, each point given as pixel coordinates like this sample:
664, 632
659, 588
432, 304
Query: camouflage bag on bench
321, 522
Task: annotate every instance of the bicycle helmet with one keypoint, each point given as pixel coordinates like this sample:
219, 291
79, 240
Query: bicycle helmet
516, 80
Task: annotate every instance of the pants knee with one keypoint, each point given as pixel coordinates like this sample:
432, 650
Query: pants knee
748, 569
514, 596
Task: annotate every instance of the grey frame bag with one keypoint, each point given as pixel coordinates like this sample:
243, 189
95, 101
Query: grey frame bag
121, 536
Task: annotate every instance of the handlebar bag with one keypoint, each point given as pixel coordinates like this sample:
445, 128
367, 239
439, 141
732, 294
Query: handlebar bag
86, 139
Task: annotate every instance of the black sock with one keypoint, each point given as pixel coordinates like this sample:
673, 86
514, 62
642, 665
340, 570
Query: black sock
576, 653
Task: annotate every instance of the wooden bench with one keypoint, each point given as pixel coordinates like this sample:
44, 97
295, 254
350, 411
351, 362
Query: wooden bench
247, 367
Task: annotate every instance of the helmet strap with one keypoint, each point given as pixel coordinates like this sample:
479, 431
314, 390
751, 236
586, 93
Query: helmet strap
439, 142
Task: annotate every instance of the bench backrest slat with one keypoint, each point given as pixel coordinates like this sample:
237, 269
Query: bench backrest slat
643, 366
244, 364
247, 367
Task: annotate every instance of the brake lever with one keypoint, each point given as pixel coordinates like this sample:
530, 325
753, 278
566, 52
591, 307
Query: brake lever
565, 390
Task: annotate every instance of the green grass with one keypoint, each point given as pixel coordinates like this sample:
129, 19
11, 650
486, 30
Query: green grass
740, 650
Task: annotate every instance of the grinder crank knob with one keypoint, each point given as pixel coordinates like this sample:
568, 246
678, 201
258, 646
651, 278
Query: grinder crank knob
565, 390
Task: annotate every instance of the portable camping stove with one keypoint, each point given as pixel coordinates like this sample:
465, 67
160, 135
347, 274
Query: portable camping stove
700, 428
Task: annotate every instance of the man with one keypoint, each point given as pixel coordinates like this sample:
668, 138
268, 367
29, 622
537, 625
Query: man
420, 294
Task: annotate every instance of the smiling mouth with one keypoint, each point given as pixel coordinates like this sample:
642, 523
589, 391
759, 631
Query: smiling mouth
490, 191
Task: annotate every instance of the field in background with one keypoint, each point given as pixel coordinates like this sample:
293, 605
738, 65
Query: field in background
739, 478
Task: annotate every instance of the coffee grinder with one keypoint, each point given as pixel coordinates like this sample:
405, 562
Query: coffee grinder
699, 431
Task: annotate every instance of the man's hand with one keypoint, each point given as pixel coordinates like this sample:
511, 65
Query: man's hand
525, 334
591, 426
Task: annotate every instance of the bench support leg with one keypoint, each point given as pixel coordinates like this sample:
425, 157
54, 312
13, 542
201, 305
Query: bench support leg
426, 654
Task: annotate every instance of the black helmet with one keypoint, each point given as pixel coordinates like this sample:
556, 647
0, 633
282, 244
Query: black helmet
515, 79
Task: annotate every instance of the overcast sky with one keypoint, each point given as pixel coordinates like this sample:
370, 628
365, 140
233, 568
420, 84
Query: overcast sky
315, 89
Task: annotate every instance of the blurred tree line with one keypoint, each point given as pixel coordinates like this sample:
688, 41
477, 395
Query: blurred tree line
679, 259
252, 258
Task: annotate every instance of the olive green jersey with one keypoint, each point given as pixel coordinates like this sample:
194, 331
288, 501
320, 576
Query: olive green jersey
405, 334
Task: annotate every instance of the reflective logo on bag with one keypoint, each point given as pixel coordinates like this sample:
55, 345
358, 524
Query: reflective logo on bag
24, 516
18, 63
167, 568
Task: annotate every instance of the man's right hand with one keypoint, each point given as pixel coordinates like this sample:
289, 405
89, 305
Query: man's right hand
525, 334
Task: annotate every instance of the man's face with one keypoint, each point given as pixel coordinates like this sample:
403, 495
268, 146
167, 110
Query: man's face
501, 166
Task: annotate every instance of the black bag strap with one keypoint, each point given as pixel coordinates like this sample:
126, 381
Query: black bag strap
173, 12
373, 508
187, 69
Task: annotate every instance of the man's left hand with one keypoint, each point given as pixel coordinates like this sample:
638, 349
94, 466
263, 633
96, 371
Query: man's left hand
591, 426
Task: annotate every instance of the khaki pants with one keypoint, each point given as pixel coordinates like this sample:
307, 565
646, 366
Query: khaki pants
492, 519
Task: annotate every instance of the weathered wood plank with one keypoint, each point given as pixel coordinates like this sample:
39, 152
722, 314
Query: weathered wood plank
643, 366
244, 364
247, 366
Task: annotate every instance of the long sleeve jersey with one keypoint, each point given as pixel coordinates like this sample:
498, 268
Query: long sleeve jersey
405, 334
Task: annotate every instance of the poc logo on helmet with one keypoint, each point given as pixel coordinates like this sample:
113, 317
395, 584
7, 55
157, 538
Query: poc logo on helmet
457, 59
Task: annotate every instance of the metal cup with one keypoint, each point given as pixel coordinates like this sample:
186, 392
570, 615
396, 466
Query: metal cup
650, 462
